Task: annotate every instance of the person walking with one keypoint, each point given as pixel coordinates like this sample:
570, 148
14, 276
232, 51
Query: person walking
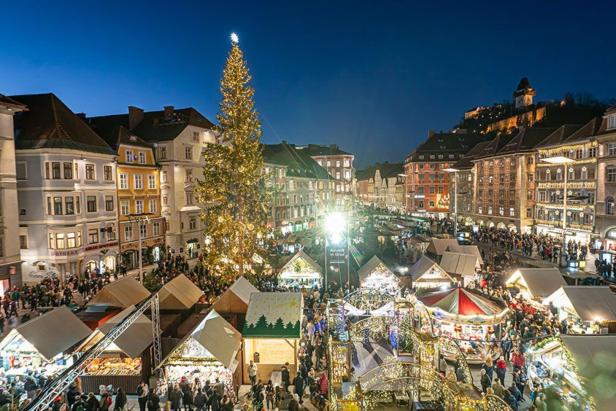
153, 402
485, 381
252, 373
142, 395
120, 400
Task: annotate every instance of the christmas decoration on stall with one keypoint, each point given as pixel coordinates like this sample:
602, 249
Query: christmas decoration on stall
231, 190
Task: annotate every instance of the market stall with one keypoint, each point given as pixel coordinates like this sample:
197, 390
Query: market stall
42, 344
460, 265
575, 371
438, 246
272, 332
122, 362
470, 318
427, 274
179, 294
377, 276
121, 293
535, 284
235, 300
587, 309
472, 250
300, 271
208, 352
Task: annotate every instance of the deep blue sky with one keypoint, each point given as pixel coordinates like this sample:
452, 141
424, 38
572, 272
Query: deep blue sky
372, 76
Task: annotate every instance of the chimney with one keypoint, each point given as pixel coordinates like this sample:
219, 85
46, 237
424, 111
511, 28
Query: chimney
135, 116
168, 113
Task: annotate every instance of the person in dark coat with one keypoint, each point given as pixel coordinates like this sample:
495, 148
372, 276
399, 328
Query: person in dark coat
91, 403
299, 385
200, 400
175, 398
214, 401
120, 400
153, 401
286, 379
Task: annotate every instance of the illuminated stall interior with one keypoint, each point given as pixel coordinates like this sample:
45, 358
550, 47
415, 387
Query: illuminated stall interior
376, 275
301, 271
427, 274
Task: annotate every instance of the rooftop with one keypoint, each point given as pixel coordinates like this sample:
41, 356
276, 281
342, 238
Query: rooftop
321, 150
296, 159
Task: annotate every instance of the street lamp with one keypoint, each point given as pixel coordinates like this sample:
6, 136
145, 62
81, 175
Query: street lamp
335, 226
455, 198
564, 161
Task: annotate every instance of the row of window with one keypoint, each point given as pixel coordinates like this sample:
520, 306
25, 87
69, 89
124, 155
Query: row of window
137, 182
70, 204
67, 170
439, 156
501, 211
139, 209
132, 157
128, 231
337, 163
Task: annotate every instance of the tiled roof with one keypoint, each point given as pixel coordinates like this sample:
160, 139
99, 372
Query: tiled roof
9, 102
385, 169
49, 123
298, 162
114, 132
319, 150
525, 140
446, 143
466, 162
570, 133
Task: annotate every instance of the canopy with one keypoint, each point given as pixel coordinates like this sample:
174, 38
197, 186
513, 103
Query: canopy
235, 300
439, 245
459, 264
375, 274
590, 303
352, 310
536, 282
50, 334
301, 265
274, 314
179, 294
136, 338
121, 293
460, 301
425, 270
385, 311
594, 356
212, 338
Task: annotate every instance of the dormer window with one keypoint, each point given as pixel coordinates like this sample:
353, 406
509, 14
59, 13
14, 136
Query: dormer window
611, 121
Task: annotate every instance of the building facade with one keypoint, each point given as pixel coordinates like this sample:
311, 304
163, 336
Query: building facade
339, 165
426, 171
66, 192
301, 191
382, 186
605, 209
178, 137
10, 258
138, 191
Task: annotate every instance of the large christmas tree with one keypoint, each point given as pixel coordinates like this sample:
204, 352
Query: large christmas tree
231, 190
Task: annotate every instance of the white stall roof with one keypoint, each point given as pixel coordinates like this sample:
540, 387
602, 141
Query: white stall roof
121, 293
179, 294
540, 282
458, 263
236, 298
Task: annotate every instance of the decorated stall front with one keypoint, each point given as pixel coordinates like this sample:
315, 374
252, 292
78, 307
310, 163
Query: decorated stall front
376, 275
122, 362
301, 271
427, 274
587, 309
575, 371
179, 294
271, 333
120, 294
208, 352
42, 345
467, 317
536, 284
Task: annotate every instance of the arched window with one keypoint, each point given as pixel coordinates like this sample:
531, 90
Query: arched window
609, 205
571, 175
559, 174
584, 175
548, 175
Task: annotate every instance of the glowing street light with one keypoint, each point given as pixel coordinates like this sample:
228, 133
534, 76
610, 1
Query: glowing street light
335, 224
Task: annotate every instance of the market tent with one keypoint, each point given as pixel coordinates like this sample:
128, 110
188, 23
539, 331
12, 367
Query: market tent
460, 301
136, 338
375, 274
426, 272
470, 249
438, 246
179, 294
301, 265
459, 263
121, 293
274, 314
235, 300
590, 303
536, 282
50, 334
219, 338
594, 357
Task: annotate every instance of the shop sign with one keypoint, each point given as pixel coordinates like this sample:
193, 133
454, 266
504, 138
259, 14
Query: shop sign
65, 253
97, 246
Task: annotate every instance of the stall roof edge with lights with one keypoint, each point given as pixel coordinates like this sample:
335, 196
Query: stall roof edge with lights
301, 270
427, 273
376, 274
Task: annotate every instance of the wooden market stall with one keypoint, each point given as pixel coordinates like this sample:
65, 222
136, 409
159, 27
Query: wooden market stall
120, 294
301, 271
179, 294
125, 362
438, 246
42, 344
536, 284
466, 316
233, 303
428, 274
461, 265
271, 333
209, 352
376, 275
587, 309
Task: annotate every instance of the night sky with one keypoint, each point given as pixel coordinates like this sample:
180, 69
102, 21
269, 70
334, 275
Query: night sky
371, 76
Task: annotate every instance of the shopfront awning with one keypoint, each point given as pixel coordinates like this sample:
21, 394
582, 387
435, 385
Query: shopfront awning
236, 298
179, 294
121, 293
274, 315
50, 334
